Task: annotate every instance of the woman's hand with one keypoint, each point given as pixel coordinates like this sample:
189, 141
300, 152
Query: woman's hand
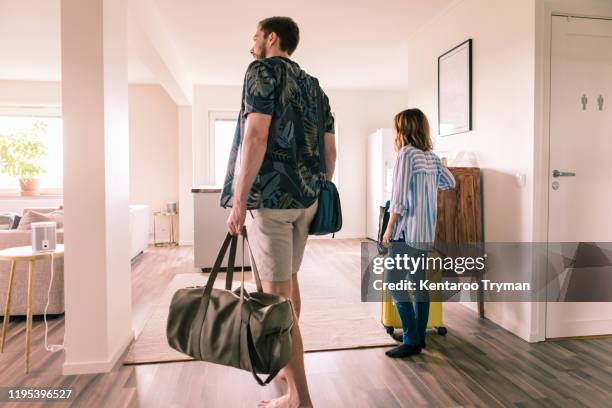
393, 217
386, 240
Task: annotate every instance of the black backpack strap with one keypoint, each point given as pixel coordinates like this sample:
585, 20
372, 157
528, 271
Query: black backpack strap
321, 129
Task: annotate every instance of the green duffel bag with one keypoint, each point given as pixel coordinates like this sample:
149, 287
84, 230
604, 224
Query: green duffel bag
250, 331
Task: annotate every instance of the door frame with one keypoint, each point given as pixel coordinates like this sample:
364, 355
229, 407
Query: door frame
545, 10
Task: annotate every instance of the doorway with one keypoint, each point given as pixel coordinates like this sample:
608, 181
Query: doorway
580, 174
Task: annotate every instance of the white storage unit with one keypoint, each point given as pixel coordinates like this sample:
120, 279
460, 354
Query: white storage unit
210, 229
139, 228
381, 159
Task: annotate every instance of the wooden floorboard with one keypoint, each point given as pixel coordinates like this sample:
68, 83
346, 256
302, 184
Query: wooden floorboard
477, 364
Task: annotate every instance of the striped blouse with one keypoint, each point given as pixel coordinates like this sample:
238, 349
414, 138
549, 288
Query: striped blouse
417, 176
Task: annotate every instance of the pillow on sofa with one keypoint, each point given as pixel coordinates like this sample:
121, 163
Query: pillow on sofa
57, 216
32, 216
15, 223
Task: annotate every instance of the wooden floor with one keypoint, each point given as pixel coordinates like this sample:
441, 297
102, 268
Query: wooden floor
476, 364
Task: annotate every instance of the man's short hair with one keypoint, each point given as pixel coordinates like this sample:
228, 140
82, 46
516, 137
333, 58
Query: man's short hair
285, 28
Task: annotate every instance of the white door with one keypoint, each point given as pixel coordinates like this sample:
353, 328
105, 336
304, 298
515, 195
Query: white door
580, 205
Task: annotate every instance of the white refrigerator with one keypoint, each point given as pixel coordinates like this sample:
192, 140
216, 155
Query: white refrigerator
381, 159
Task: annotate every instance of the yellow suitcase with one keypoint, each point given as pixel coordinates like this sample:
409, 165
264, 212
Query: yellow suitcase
390, 319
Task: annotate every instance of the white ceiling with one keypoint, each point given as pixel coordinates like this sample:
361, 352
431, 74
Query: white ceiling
30, 46
346, 43
29, 41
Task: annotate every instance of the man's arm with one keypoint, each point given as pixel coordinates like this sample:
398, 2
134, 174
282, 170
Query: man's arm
252, 154
330, 154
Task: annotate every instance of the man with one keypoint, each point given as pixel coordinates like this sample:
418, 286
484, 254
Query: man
274, 170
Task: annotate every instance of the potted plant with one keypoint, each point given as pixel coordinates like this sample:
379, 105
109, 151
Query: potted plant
19, 155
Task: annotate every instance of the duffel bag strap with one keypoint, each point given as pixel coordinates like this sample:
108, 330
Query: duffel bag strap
198, 321
253, 358
231, 260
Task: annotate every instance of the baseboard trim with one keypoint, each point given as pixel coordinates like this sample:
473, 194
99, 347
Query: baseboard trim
329, 236
593, 337
338, 236
93, 367
237, 269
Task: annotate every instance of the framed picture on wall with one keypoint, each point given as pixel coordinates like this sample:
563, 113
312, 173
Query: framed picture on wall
455, 90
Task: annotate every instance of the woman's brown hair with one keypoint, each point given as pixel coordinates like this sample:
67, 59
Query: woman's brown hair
412, 127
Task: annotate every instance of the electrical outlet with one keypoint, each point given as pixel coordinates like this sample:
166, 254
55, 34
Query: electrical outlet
45, 244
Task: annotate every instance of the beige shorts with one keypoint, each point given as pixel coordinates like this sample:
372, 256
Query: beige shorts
278, 239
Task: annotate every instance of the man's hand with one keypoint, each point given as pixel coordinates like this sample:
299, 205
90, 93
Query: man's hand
235, 221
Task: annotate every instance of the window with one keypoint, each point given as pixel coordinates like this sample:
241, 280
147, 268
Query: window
45, 126
222, 128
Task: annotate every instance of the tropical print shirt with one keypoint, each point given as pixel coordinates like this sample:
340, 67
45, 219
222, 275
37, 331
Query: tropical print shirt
291, 174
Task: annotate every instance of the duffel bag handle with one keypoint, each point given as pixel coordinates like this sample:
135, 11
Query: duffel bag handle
233, 240
229, 238
245, 238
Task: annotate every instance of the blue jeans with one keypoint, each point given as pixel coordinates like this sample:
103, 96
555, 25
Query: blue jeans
413, 311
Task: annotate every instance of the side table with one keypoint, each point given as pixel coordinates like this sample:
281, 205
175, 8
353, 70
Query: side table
23, 253
172, 241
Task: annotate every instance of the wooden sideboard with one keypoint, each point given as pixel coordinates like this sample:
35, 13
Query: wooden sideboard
460, 213
460, 209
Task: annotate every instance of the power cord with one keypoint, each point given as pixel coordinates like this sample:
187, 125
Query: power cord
53, 347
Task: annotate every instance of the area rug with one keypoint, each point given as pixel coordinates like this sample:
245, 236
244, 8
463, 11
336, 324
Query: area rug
332, 318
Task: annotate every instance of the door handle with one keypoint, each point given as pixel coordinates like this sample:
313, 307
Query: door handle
557, 173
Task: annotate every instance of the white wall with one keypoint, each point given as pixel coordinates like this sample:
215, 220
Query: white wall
30, 93
358, 113
186, 205
153, 151
503, 36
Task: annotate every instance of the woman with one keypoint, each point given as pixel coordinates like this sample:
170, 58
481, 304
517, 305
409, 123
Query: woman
417, 176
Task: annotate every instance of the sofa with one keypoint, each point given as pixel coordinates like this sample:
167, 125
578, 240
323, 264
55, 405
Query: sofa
139, 237
42, 275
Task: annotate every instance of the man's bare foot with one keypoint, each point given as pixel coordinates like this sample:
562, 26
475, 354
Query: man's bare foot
281, 402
